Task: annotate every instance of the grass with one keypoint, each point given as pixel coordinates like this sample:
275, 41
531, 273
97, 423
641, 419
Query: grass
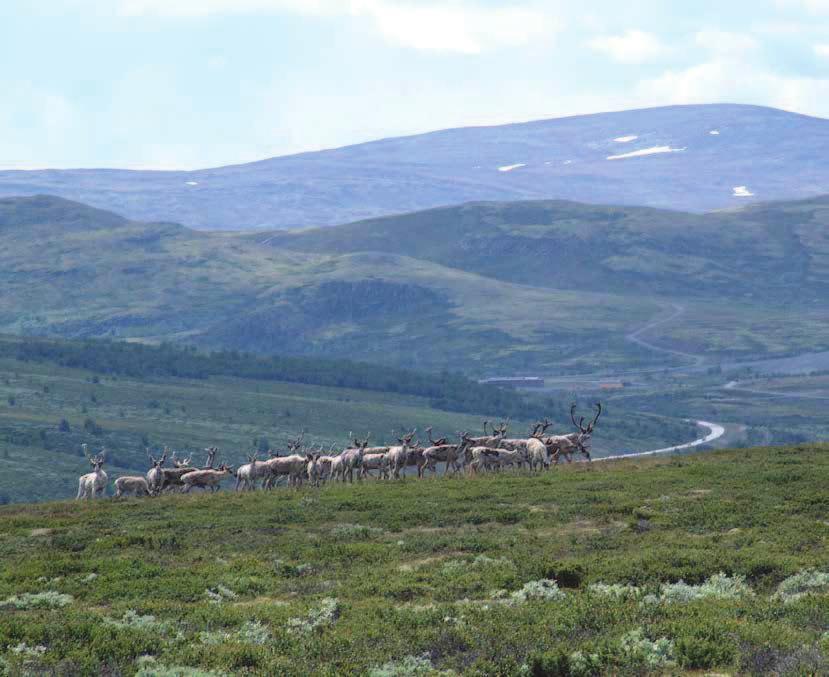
232, 413
437, 575
526, 287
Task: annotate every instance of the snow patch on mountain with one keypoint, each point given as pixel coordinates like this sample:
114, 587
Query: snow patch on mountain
742, 191
626, 139
509, 168
655, 150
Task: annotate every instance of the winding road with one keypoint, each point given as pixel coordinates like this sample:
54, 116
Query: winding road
715, 431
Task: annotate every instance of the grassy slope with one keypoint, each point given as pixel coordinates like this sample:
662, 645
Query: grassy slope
771, 250
226, 412
105, 276
412, 579
487, 288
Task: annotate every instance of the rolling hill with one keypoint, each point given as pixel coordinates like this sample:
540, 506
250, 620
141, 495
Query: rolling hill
695, 158
684, 566
484, 288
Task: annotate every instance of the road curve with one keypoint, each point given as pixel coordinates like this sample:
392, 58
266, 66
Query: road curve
715, 431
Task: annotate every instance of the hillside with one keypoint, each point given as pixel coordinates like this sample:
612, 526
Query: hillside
166, 282
487, 288
695, 158
770, 250
56, 395
714, 563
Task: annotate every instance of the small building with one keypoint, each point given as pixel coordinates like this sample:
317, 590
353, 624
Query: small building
614, 385
514, 381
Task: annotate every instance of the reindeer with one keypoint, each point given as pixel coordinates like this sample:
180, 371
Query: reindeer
293, 466
326, 464
449, 454
492, 441
155, 475
93, 484
172, 476
312, 469
131, 484
352, 458
211, 457
207, 478
566, 445
398, 456
531, 450
250, 472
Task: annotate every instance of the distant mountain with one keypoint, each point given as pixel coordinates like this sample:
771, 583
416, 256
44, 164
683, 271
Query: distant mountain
485, 288
693, 158
772, 251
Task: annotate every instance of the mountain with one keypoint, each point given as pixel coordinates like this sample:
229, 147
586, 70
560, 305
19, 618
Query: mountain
771, 250
162, 281
486, 288
694, 158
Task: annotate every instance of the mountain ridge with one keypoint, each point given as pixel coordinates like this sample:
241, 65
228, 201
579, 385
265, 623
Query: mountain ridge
685, 157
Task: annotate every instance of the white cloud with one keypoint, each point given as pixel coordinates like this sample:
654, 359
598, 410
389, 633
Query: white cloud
822, 50
738, 81
634, 46
446, 26
725, 43
812, 6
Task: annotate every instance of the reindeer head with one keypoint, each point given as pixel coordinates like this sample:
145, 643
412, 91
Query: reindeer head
540, 428
440, 441
96, 462
585, 432
406, 440
296, 444
501, 430
211, 456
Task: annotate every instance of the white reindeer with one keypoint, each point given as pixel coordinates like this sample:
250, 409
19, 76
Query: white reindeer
93, 484
206, 478
352, 458
248, 474
132, 484
155, 475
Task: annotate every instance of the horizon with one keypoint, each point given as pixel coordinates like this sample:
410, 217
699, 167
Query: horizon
188, 85
403, 136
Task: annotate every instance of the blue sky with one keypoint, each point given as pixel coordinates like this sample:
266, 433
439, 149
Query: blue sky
196, 83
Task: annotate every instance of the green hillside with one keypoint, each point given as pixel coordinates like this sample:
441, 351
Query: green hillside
58, 395
542, 287
776, 249
706, 564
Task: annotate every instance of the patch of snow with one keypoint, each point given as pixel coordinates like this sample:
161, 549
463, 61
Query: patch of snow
742, 191
568, 162
714, 132
192, 183
626, 139
646, 151
509, 168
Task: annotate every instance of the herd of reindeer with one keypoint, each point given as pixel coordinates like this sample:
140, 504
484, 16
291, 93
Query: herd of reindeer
490, 452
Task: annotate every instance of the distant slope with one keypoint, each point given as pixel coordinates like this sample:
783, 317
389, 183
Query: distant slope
777, 250
71, 271
127, 397
695, 158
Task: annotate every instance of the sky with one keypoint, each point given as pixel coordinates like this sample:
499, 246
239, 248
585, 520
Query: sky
184, 84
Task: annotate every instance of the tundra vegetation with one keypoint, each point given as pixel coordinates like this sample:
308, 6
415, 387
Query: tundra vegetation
707, 563
142, 409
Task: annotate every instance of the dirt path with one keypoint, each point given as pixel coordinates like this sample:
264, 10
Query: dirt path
636, 336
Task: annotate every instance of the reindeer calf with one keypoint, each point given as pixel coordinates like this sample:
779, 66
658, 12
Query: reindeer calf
135, 485
205, 479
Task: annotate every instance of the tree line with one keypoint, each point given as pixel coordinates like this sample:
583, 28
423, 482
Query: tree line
446, 390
